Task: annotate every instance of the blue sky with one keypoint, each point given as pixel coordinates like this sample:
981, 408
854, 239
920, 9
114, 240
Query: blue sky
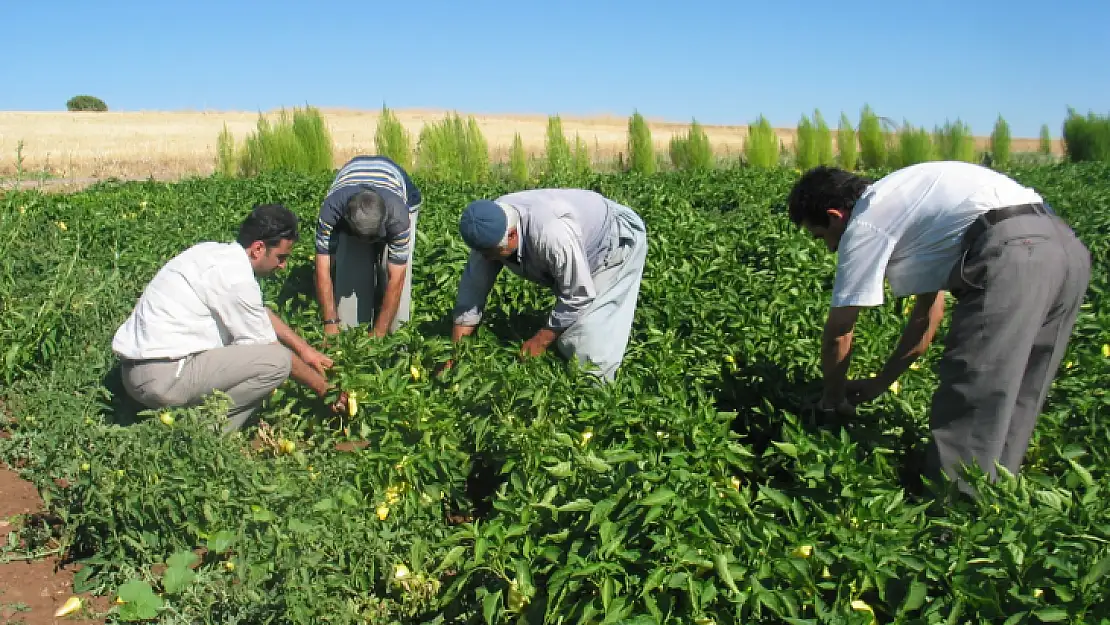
721, 62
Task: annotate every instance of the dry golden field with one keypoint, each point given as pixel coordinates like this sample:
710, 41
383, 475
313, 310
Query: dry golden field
171, 144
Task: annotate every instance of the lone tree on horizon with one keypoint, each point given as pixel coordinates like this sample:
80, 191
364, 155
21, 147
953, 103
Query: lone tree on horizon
86, 103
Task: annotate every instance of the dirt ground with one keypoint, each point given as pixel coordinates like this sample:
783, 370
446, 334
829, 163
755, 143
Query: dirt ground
31, 591
168, 145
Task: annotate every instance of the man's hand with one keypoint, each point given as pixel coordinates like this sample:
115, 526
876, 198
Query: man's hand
316, 360
841, 407
444, 367
340, 405
865, 390
538, 344
331, 329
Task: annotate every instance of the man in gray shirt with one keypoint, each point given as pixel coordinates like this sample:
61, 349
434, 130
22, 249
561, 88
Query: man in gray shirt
589, 250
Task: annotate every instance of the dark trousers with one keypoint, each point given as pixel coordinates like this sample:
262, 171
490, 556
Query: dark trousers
1018, 288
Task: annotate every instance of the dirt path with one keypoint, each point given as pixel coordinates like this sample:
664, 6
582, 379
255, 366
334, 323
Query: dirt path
32, 591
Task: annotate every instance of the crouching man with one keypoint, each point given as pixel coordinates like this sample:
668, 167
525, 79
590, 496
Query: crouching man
589, 250
201, 325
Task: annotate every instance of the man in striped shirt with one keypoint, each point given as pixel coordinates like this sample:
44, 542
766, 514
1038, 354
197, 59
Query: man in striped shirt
367, 225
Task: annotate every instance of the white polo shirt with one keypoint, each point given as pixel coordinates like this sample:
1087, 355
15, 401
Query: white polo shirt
204, 298
908, 228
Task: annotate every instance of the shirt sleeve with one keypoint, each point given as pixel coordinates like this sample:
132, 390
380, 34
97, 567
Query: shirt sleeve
331, 211
861, 265
400, 241
240, 309
413, 196
570, 272
475, 285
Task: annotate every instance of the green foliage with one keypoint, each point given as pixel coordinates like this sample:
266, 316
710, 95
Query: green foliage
1046, 140
1000, 143
805, 145
453, 150
954, 142
824, 140
914, 146
582, 162
846, 144
1087, 138
518, 162
392, 140
299, 143
872, 139
225, 152
696, 486
556, 150
761, 147
86, 103
641, 150
691, 151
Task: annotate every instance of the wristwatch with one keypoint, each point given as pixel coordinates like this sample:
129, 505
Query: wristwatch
329, 322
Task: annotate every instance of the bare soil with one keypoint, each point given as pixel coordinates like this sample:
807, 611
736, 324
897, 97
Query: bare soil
32, 589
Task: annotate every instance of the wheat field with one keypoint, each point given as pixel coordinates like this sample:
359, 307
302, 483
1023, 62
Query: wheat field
168, 145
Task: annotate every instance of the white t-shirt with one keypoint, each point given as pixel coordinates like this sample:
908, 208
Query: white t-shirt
908, 228
204, 298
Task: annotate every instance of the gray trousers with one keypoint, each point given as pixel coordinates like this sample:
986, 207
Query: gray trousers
247, 373
1018, 289
601, 335
361, 275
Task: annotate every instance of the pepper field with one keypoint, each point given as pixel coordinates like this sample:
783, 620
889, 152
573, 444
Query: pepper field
692, 490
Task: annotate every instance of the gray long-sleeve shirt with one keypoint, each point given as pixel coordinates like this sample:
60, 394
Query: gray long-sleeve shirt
565, 237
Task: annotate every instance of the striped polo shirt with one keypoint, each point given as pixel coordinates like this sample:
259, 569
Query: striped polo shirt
397, 189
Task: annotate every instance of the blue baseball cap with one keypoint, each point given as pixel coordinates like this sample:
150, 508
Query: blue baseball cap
483, 224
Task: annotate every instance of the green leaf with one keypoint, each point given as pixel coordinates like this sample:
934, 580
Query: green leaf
139, 601
578, 505
182, 559
1051, 615
788, 449
491, 607
561, 469
1097, 571
915, 597
454, 555
221, 541
595, 464
658, 497
721, 564
176, 579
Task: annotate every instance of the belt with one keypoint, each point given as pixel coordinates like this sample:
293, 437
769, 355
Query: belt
992, 217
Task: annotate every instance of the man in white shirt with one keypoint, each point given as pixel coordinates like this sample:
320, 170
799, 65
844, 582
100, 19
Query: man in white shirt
201, 325
589, 250
1018, 274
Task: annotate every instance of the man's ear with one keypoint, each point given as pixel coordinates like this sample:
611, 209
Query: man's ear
256, 249
836, 215
514, 235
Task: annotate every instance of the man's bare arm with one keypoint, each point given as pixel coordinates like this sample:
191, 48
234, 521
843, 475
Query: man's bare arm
391, 300
325, 293
836, 349
918, 334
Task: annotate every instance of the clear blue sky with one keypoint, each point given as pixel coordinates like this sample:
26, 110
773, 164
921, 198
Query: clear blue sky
721, 62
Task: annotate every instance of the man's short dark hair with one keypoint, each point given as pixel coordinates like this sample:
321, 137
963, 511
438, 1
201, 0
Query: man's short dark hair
822, 188
269, 223
366, 214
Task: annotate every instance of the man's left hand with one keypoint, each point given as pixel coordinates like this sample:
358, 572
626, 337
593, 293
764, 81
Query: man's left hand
316, 360
865, 390
538, 344
533, 347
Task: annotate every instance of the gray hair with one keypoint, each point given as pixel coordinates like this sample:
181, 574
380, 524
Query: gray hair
366, 214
